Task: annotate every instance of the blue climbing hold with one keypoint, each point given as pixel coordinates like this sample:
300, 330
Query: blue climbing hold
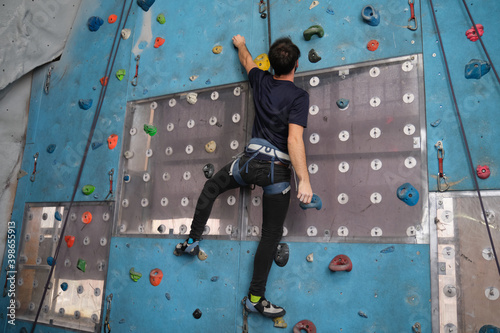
64, 286
489, 329
51, 261
476, 68
96, 145
51, 148
388, 249
330, 11
370, 15
214, 278
58, 216
167, 295
343, 103
95, 23
145, 4
315, 203
85, 103
408, 194
436, 123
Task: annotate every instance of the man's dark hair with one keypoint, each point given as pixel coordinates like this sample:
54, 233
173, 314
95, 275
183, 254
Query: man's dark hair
283, 55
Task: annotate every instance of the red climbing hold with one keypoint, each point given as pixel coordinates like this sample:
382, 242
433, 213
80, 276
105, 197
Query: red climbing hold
86, 217
104, 80
159, 42
70, 240
471, 33
112, 141
483, 171
340, 263
155, 276
372, 45
112, 18
304, 326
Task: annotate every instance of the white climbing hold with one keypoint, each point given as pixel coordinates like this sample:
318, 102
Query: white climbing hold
193, 77
313, 4
192, 98
310, 257
126, 33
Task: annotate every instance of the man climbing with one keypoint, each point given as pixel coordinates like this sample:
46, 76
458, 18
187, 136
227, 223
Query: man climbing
281, 110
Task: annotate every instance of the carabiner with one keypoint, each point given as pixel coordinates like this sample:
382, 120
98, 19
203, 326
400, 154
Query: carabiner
412, 17
442, 180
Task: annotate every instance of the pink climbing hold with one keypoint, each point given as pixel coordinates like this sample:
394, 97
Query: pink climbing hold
483, 171
471, 33
159, 42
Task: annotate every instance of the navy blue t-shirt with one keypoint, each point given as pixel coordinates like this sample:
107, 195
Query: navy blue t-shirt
277, 104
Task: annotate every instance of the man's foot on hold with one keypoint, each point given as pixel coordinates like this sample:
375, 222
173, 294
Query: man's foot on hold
190, 246
264, 307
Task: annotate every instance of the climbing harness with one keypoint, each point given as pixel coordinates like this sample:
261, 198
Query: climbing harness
108, 311
110, 193
462, 129
412, 16
108, 71
442, 179
47, 80
32, 177
136, 76
255, 147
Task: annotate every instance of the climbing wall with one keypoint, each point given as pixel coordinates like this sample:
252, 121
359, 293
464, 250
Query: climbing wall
75, 292
466, 276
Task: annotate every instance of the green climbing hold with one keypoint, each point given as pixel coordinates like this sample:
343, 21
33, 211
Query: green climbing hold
120, 74
161, 19
81, 265
150, 129
314, 30
134, 275
88, 189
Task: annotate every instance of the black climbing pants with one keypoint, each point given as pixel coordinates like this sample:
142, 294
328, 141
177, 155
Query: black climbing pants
274, 209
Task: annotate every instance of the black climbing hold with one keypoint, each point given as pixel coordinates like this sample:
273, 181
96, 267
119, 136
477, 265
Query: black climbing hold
167, 295
23, 330
197, 314
313, 56
121, 321
208, 170
282, 254
214, 278
263, 15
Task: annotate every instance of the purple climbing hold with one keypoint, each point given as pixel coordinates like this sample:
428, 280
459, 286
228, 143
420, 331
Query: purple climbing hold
94, 23
145, 4
85, 103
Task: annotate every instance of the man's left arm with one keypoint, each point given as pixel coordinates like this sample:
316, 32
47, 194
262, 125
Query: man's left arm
297, 152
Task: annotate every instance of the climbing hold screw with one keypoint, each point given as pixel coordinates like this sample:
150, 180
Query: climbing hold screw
134, 275
217, 49
370, 15
161, 19
372, 45
313, 30
88, 189
313, 56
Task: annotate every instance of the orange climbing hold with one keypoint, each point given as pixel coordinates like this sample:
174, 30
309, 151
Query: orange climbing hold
372, 45
155, 276
70, 240
159, 42
112, 18
87, 217
104, 80
112, 141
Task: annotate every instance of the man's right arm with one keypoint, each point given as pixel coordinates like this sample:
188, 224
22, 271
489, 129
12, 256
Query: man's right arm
243, 53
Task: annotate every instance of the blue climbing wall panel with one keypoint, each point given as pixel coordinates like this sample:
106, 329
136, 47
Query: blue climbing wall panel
388, 289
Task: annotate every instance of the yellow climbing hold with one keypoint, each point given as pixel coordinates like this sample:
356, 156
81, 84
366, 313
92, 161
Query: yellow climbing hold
262, 61
217, 49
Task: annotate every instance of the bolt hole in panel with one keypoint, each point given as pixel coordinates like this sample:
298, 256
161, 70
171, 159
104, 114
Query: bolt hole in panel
33, 270
345, 163
185, 128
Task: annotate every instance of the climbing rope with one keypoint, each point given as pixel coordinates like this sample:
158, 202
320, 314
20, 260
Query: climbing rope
109, 67
462, 130
269, 24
